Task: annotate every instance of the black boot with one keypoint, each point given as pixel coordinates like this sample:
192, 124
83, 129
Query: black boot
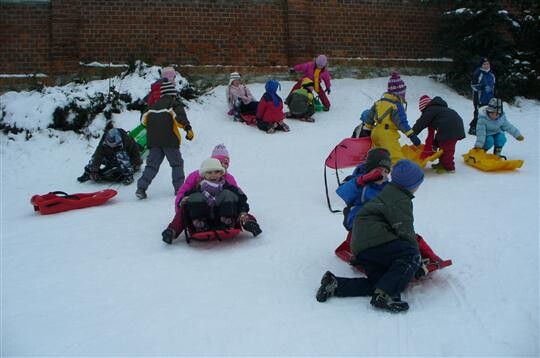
84, 178
381, 299
252, 227
168, 235
497, 151
328, 287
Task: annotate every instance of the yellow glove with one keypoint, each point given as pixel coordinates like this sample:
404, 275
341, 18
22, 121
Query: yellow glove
189, 132
520, 137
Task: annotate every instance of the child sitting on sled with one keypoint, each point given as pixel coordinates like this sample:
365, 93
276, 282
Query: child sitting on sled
117, 158
316, 71
270, 114
387, 116
220, 152
384, 243
300, 102
445, 129
239, 98
491, 125
367, 180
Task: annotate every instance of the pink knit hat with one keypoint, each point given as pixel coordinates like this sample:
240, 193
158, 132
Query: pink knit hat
169, 73
424, 101
396, 85
220, 152
321, 61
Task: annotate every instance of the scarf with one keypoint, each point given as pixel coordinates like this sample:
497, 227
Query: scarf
211, 189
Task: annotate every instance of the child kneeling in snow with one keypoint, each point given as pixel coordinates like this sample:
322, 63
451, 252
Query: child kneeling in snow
300, 102
384, 243
270, 111
492, 124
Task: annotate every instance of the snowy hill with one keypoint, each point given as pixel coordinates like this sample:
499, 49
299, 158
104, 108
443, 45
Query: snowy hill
100, 281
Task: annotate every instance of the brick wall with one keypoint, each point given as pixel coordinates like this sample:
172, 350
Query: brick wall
53, 37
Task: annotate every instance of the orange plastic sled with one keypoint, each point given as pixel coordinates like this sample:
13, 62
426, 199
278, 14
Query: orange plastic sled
486, 162
414, 153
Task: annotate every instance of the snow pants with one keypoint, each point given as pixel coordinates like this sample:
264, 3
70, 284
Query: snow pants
389, 267
226, 205
498, 139
153, 162
387, 138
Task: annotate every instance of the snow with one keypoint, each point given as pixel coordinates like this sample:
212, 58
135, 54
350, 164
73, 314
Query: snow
100, 281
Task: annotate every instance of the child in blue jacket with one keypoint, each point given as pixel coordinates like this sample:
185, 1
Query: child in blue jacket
367, 180
483, 86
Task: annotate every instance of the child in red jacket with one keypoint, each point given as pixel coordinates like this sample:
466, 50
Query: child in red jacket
270, 110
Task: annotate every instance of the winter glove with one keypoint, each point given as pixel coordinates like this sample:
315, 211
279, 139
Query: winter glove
374, 175
520, 137
291, 70
189, 132
328, 91
414, 139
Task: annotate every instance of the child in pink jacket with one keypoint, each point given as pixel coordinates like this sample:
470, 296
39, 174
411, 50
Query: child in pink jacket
239, 98
317, 71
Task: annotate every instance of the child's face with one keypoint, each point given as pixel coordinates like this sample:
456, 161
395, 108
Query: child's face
493, 115
224, 163
235, 82
486, 66
213, 175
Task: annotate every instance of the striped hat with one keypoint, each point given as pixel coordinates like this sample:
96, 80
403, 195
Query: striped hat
424, 101
167, 89
396, 85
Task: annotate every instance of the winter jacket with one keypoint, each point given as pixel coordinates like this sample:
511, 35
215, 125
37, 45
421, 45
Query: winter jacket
104, 151
387, 217
192, 181
308, 70
268, 112
162, 120
235, 92
389, 113
483, 85
487, 126
300, 102
242, 198
446, 121
356, 196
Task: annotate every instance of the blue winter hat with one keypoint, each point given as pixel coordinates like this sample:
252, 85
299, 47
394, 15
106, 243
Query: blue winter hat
365, 115
113, 138
407, 174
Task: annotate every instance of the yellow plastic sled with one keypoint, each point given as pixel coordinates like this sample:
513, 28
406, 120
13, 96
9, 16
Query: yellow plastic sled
414, 153
479, 159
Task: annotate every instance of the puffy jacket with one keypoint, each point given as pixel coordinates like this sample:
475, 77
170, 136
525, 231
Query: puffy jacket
242, 198
308, 70
446, 121
268, 112
192, 181
235, 92
483, 85
300, 102
104, 151
387, 217
487, 126
390, 113
162, 120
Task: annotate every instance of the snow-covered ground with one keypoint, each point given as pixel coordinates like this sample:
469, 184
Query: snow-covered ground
100, 281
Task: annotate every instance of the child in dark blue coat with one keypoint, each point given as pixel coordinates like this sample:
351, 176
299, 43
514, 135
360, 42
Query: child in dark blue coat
483, 86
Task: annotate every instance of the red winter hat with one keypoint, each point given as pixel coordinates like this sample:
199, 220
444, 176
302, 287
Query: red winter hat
424, 101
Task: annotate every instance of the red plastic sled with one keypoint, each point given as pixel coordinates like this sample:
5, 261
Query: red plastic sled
348, 153
430, 259
249, 119
58, 201
218, 234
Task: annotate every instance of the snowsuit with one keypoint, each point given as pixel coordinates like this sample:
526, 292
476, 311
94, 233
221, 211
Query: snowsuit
386, 117
448, 126
490, 132
115, 164
162, 121
318, 75
384, 243
241, 100
483, 86
300, 103
268, 114
356, 196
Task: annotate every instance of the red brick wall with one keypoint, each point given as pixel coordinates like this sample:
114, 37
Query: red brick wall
24, 38
54, 37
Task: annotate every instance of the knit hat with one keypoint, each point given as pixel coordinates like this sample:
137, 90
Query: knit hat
321, 61
495, 105
167, 89
365, 115
169, 73
113, 138
220, 151
407, 174
307, 82
234, 76
424, 101
210, 165
396, 85
377, 157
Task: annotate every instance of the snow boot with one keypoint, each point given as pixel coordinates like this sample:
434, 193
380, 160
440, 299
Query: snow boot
253, 227
328, 287
127, 180
497, 151
382, 300
443, 170
436, 165
141, 193
199, 225
83, 178
168, 235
